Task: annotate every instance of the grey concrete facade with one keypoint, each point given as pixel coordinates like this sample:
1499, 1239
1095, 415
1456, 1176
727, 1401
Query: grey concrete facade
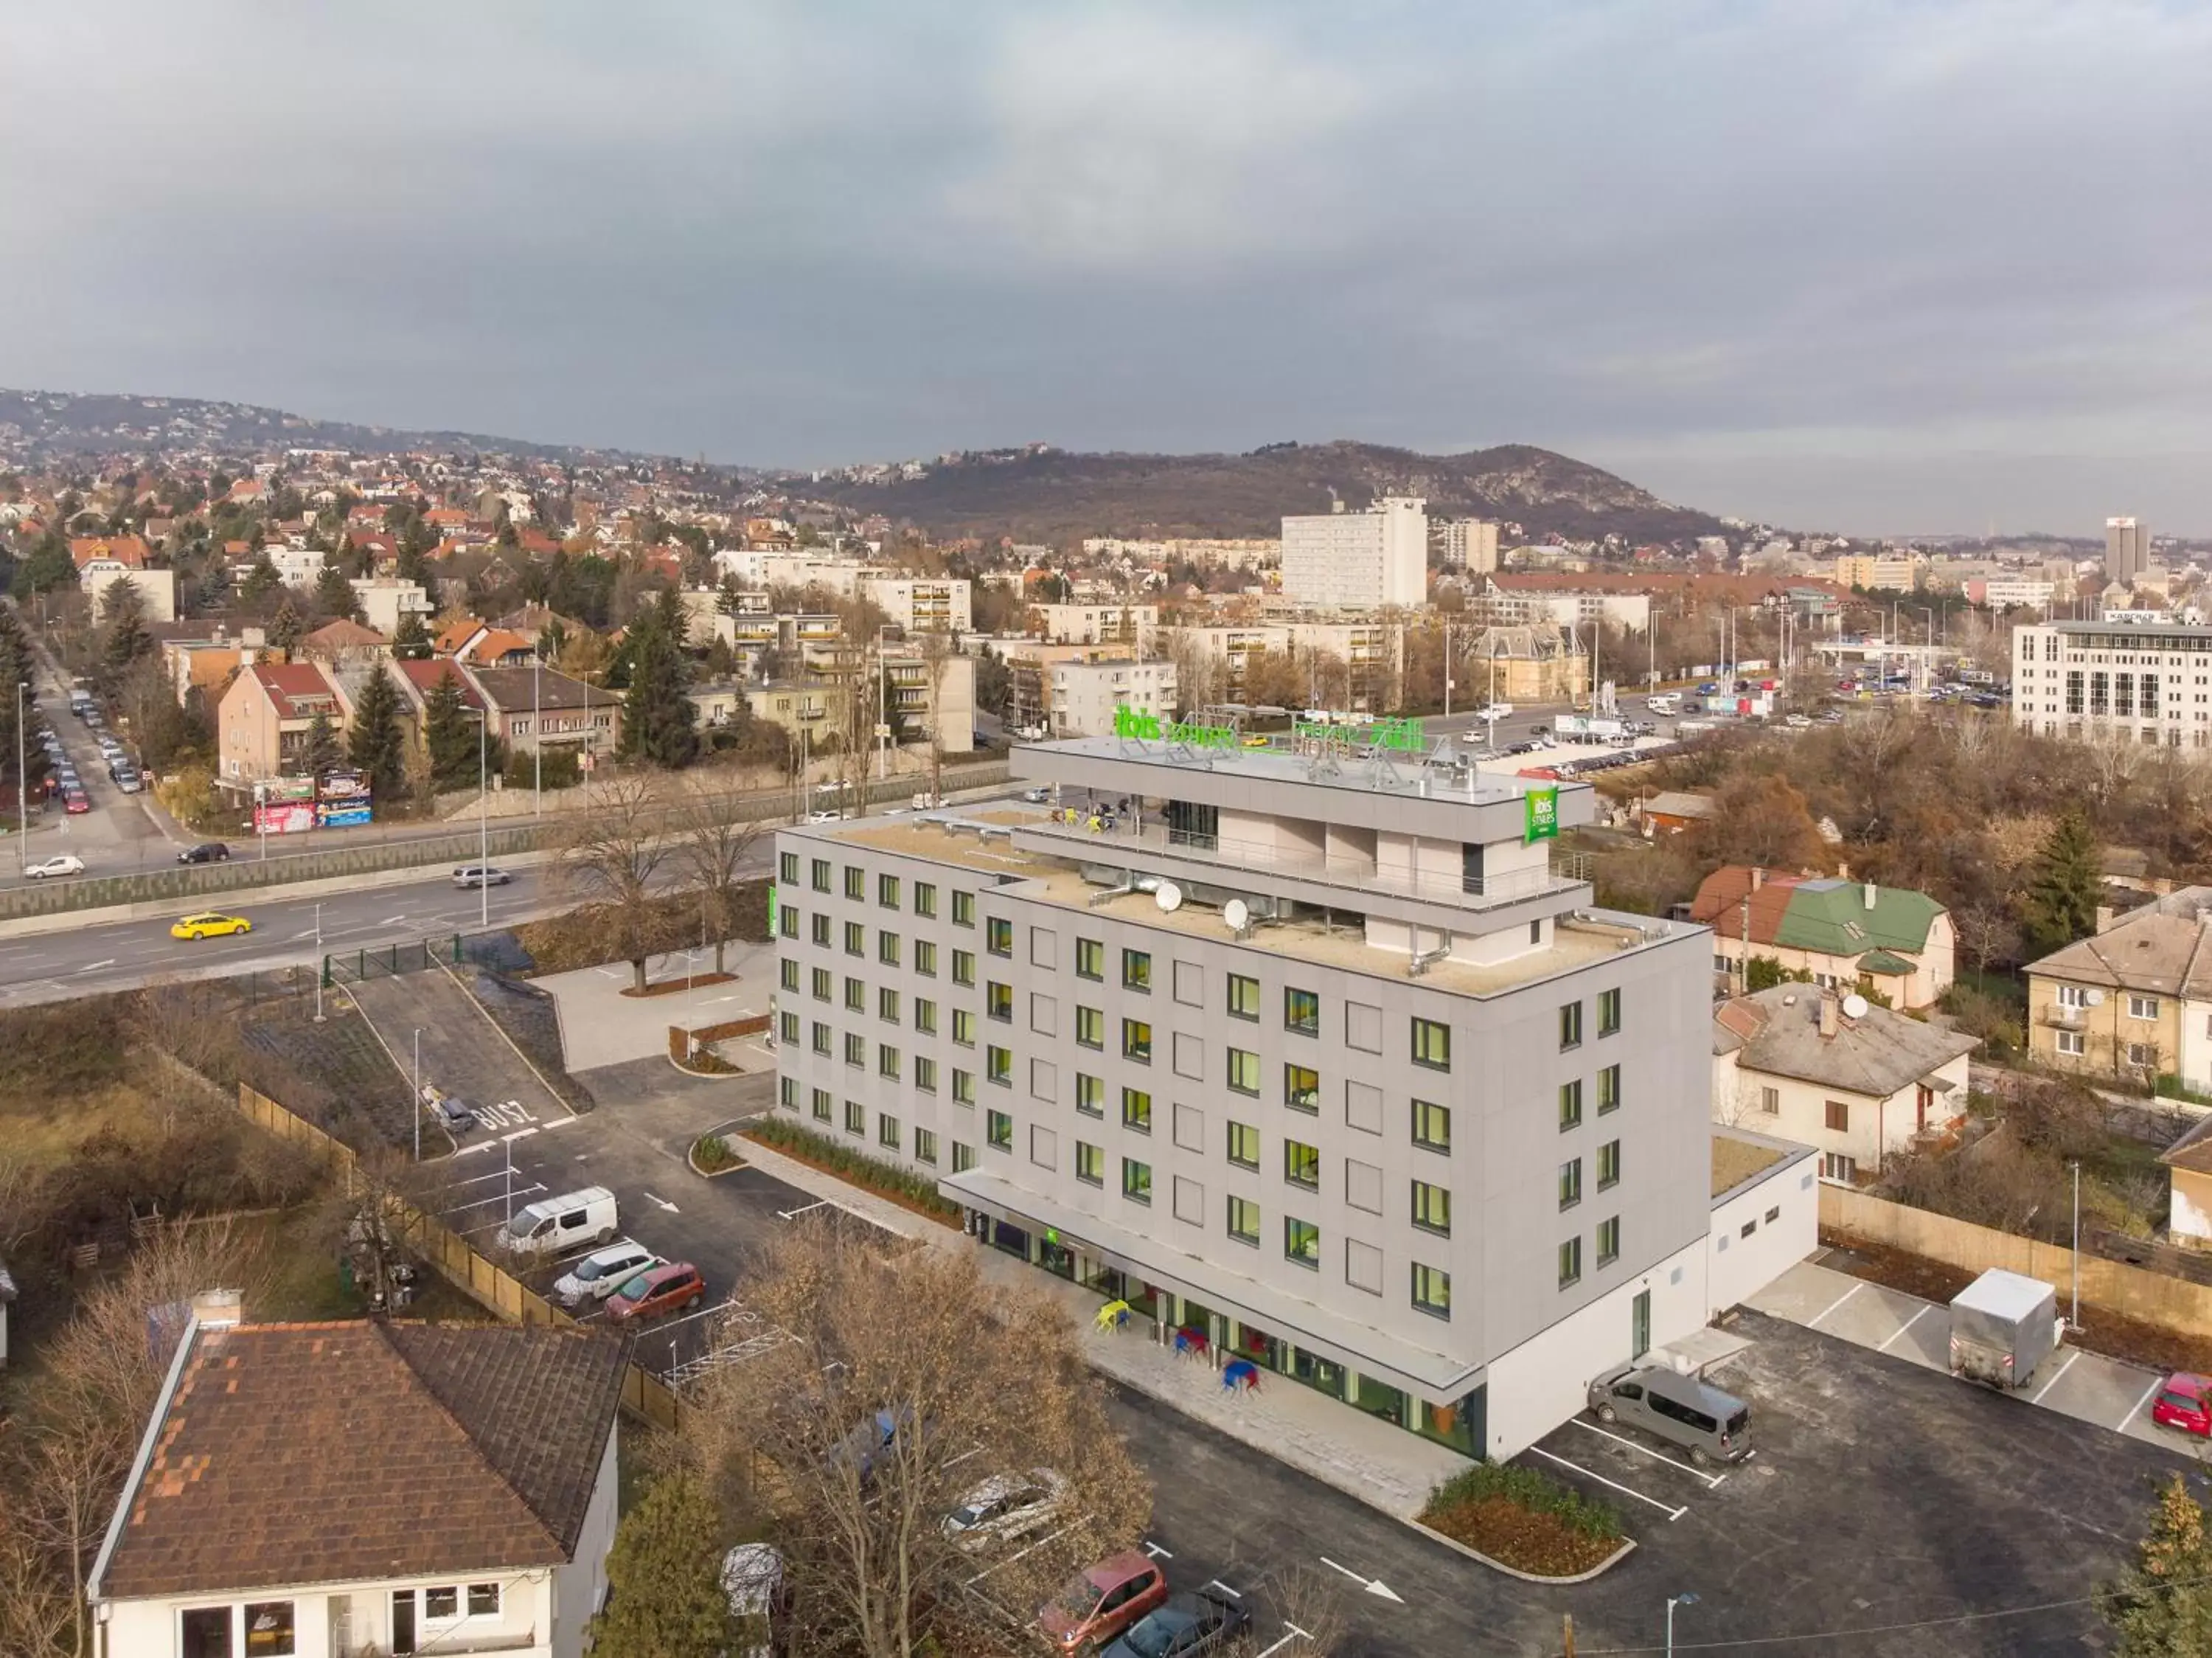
1161, 1096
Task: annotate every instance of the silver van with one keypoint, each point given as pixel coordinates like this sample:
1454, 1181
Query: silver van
552, 1226
1685, 1411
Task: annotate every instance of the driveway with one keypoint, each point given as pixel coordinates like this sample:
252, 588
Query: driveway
601, 1026
464, 1053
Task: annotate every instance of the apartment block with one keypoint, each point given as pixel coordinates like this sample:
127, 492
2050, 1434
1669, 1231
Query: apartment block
1097, 625
1078, 698
1472, 544
1331, 1064
921, 605
1358, 560
2133, 682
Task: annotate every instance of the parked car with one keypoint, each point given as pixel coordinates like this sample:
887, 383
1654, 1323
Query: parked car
209, 924
1685, 1411
129, 782
208, 851
657, 1289
457, 1115
602, 1272
76, 802
473, 876
68, 864
1008, 1505
1187, 1626
551, 1225
2184, 1401
1103, 1601
1036, 796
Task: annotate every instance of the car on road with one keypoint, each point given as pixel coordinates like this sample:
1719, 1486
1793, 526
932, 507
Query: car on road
210, 923
208, 851
825, 817
76, 802
1006, 1506
1188, 1626
67, 863
457, 1115
1036, 796
657, 1289
2184, 1401
127, 780
469, 876
1098, 1604
602, 1272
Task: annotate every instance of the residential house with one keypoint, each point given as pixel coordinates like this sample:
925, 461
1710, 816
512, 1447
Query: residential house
157, 588
298, 566
532, 707
125, 552
264, 718
2134, 1000
2189, 1187
1847, 934
344, 644
417, 679
336, 1490
808, 707
1671, 811
1854, 1080
385, 602
494, 647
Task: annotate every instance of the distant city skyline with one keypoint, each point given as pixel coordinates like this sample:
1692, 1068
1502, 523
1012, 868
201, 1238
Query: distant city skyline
791, 235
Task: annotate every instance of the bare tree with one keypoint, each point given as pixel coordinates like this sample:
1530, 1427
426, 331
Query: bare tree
907, 1382
711, 847
610, 854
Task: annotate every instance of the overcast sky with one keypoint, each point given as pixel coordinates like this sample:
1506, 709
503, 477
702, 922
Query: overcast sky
1872, 264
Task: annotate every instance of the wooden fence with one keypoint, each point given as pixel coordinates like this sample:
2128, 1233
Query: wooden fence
454, 1258
2172, 1303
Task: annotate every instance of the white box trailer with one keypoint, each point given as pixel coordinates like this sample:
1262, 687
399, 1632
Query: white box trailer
2003, 1325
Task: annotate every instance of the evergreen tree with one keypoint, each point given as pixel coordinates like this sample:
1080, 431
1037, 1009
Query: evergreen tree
657, 717
378, 744
285, 627
47, 566
664, 1596
2162, 1607
2060, 905
334, 594
122, 618
411, 644
322, 755
262, 582
449, 733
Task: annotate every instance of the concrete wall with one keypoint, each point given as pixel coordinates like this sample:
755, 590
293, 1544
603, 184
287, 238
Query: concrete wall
1736, 1266
579, 1588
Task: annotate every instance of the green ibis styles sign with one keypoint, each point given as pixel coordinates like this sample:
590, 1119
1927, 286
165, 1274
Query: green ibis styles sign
1149, 728
1540, 819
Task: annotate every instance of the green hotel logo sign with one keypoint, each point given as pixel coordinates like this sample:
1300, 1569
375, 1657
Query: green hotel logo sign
1541, 815
1149, 728
1404, 735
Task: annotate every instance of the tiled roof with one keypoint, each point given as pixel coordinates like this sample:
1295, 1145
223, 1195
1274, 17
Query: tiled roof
289, 685
512, 689
2159, 948
1673, 803
122, 549
425, 675
1875, 1054
343, 632
1829, 916
318, 1454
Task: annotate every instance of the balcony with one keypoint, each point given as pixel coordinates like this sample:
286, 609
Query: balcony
2061, 1018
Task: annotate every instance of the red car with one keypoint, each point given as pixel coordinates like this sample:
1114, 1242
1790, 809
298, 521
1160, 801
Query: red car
2184, 1401
1103, 1601
75, 804
657, 1289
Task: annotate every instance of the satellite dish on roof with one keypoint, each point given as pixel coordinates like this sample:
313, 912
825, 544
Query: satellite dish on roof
1169, 898
1237, 914
1854, 1007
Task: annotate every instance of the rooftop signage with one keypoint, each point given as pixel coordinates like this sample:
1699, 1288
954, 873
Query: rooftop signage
1149, 728
1540, 821
1404, 735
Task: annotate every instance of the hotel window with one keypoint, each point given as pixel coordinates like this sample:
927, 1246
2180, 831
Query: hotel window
1137, 1041
1570, 1183
821, 875
887, 891
887, 1061
1137, 971
1089, 1027
1245, 1145
999, 1066
1571, 1105
1432, 1208
999, 1002
820, 927
1302, 1012
963, 1087
925, 1074
856, 884
1432, 1126
787, 921
963, 967
964, 1027
856, 939
856, 1118
1432, 1290
887, 1131
1302, 1243
1243, 996
789, 970
1243, 1072
1609, 1089
1608, 1012
925, 1015
887, 948
1432, 1044
1570, 1262
924, 1145
963, 1158
964, 909
999, 935
1090, 1095
787, 1089
1571, 1026
999, 1131
1608, 1165
2143, 1007
1302, 1164
1090, 1164
925, 900
1137, 1110
1136, 1181
925, 958
887, 1004
1608, 1241
1244, 1220
820, 1036
787, 868
820, 1105
1089, 959
856, 995
856, 1048
1302, 1087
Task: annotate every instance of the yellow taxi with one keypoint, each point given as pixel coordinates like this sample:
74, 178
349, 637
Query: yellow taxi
209, 925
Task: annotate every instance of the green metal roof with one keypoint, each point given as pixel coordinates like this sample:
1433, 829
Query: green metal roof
1881, 961
1833, 917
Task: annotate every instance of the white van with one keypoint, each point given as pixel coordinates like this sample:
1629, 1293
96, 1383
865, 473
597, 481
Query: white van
553, 1225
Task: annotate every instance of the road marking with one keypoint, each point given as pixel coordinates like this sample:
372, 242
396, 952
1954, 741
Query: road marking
2051, 1380
686, 1318
392, 921
1372, 1585
1711, 1480
2121, 1426
1216, 1583
1671, 1512
1906, 1325
1049, 1537
1156, 1551
664, 1202
803, 1209
1814, 1323
1295, 1633
519, 1134
560, 1122
95, 966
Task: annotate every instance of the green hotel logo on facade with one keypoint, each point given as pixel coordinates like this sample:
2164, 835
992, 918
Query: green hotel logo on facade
1148, 727
1540, 819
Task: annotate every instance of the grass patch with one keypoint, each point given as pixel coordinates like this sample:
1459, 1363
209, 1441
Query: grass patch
1523, 1519
916, 1192
713, 1154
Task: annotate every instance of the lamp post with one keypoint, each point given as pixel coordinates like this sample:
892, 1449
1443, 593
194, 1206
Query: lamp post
23, 787
418, 1096
2074, 1318
483, 819
1672, 1602
319, 964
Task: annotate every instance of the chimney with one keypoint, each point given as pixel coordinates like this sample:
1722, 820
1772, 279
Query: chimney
2105, 917
1870, 891
218, 1310
1829, 1012
1758, 877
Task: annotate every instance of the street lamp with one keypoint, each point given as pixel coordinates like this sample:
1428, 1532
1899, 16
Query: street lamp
483, 819
22, 786
418, 1096
1672, 1602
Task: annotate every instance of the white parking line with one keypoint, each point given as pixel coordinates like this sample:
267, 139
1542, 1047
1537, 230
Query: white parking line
2051, 1380
519, 1134
686, 1318
1667, 1508
2121, 1426
1295, 1633
1711, 1480
1906, 1325
1814, 1323
1216, 1583
1156, 1551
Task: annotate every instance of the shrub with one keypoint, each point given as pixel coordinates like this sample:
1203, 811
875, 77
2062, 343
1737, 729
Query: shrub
1525, 1488
713, 1154
848, 1163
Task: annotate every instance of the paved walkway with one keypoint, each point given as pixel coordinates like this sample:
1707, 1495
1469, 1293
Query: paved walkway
600, 1026
2088, 1386
1364, 1457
